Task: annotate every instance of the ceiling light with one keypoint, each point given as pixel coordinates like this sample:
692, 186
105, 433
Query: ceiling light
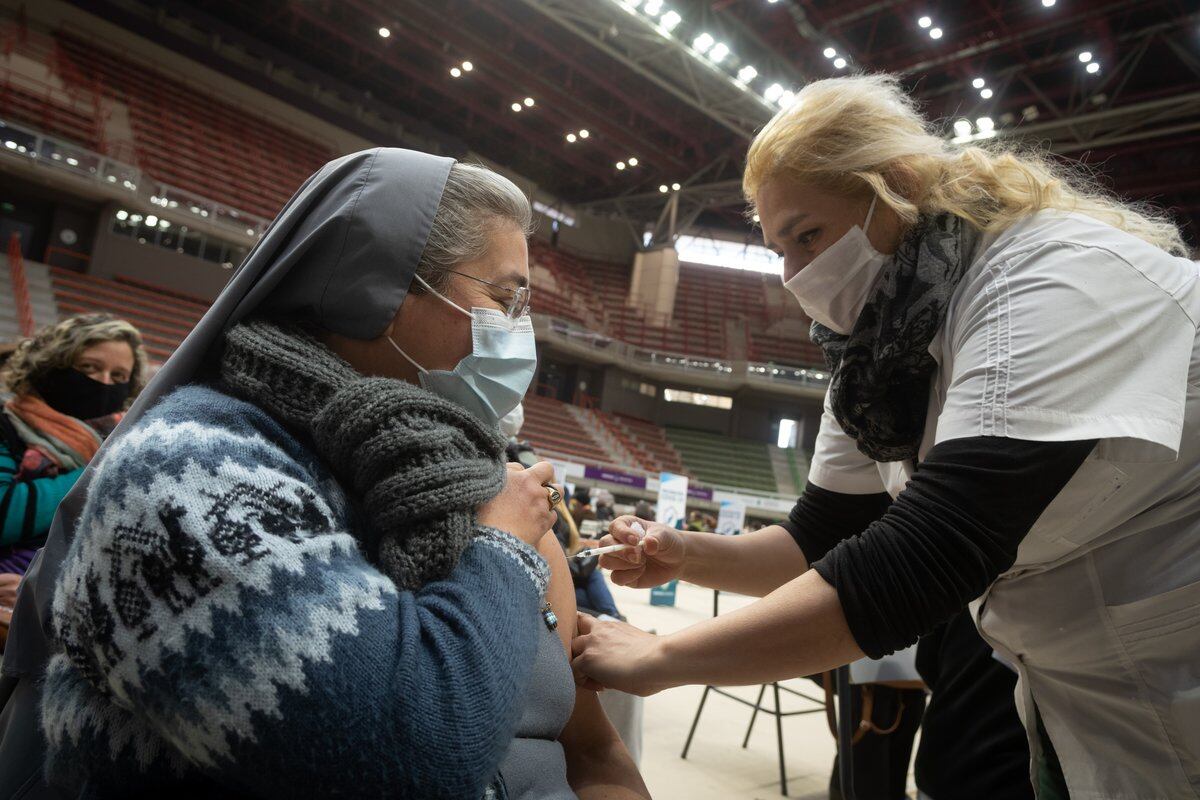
653, 7
985, 124
528, 102
962, 127
1093, 67
935, 33
467, 66
620, 165
978, 83
756, 217
570, 137
718, 53
1048, 3
772, 93
839, 62
384, 32
662, 187
702, 42
925, 22
829, 52
986, 94
516, 106
747, 74
675, 187
122, 214
151, 220
633, 162
583, 134
455, 72
786, 99
670, 20
1085, 56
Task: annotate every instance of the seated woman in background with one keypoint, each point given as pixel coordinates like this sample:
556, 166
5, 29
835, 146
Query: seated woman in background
63, 392
306, 570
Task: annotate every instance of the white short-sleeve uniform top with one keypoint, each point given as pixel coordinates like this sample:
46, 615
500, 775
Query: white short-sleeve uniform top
1065, 328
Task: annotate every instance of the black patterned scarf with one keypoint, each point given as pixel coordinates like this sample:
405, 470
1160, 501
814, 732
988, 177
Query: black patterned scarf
882, 371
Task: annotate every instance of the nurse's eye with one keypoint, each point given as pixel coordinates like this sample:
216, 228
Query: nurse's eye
809, 236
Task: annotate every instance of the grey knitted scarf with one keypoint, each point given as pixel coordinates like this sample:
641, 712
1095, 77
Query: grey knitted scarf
415, 465
882, 371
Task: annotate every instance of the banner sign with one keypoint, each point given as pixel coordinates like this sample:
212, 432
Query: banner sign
672, 498
731, 517
615, 476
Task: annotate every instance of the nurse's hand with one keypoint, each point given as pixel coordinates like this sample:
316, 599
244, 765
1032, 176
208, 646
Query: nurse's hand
657, 561
616, 655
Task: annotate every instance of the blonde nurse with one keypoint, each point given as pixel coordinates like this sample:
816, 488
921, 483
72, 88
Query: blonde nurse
1018, 377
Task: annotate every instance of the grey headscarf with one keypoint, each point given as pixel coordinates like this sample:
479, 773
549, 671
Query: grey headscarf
340, 255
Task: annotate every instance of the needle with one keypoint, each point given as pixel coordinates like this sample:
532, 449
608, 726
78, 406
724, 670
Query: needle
612, 548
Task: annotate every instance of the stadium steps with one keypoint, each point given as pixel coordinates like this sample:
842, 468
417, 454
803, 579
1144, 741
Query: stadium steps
652, 440
41, 296
725, 460
620, 449
799, 467
785, 476
553, 431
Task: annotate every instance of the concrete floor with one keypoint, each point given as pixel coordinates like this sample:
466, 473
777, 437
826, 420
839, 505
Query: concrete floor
717, 768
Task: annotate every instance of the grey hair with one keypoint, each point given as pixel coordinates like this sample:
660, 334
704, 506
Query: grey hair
475, 202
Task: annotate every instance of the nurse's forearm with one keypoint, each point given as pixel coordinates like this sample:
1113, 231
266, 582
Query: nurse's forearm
752, 563
798, 629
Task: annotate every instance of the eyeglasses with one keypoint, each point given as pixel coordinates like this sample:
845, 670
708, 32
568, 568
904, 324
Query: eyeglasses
517, 307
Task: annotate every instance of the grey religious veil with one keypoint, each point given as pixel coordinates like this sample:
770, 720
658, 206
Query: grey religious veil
340, 256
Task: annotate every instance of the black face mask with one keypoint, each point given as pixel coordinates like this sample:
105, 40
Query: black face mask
70, 392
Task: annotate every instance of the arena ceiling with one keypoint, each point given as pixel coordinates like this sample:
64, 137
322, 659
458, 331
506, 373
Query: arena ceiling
670, 92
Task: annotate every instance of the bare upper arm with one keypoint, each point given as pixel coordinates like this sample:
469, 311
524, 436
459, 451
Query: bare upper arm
561, 591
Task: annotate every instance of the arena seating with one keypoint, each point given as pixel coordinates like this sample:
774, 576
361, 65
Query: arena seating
652, 442
163, 317
592, 292
64, 114
724, 460
552, 429
190, 139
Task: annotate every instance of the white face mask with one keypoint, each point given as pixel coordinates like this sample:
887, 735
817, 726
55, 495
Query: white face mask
491, 381
834, 287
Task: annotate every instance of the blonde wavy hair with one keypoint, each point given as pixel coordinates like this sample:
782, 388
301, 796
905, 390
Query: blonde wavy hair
60, 344
865, 132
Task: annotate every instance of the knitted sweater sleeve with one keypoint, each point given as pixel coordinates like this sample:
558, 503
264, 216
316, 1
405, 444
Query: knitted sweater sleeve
27, 507
217, 617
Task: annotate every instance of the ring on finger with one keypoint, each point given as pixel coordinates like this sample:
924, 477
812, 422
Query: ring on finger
553, 496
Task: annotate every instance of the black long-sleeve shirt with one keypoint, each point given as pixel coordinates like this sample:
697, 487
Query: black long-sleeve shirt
901, 567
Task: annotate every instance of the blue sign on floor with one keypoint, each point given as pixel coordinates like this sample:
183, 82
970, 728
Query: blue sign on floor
663, 595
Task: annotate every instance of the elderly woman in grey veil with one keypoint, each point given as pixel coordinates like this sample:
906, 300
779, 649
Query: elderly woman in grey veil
300, 567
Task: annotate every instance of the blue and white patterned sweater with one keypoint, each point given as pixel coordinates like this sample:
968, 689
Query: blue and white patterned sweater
221, 630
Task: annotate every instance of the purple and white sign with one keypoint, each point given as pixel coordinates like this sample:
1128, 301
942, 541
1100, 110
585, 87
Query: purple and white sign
614, 476
700, 493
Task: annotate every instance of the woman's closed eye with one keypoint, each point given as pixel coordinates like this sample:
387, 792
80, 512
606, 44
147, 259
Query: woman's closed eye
808, 237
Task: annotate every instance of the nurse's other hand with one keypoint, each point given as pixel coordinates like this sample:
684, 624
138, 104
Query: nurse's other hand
657, 561
616, 655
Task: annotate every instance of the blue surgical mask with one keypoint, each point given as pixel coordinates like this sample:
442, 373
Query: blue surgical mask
491, 381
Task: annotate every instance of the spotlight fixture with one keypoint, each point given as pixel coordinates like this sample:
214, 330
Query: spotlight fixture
718, 53
384, 33
571, 137
675, 187
985, 124
747, 74
528, 102
962, 127
839, 62
925, 22
467, 66
515, 106
455, 72
662, 187
773, 92
670, 21
1093, 67
620, 165
1048, 3
935, 33
702, 43
978, 83
986, 94
583, 133
1085, 56
633, 162
829, 52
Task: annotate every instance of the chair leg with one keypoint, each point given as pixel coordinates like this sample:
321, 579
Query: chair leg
687, 745
779, 735
757, 705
